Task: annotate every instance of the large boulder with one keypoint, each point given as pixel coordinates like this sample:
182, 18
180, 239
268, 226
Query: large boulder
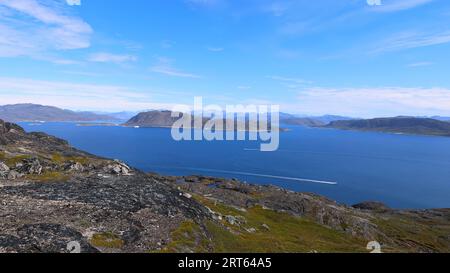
7, 173
3, 167
74, 167
12, 175
49, 238
29, 166
9, 132
117, 168
4, 170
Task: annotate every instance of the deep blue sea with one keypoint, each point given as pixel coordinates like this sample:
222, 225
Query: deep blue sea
402, 171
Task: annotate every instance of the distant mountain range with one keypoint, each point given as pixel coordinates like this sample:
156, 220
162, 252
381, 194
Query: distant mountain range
310, 121
404, 125
35, 112
441, 118
436, 125
330, 118
121, 116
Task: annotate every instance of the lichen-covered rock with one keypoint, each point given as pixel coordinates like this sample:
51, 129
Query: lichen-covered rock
266, 227
45, 238
117, 168
4, 170
53, 238
12, 244
74, 167
235, 220
29, 166
12, 175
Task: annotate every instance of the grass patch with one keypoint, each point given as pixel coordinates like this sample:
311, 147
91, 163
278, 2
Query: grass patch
2, 156
286, 234
49, 177
187, 238
107, 240
60, 159
12, 161
414, 236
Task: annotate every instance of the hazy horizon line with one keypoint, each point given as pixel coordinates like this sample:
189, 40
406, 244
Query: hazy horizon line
297, 115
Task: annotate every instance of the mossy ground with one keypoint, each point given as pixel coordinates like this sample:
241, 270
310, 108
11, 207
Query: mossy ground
107, 240
188, 238
286, 233
60, 159
11, 161
46, 176
49, 176
415, 235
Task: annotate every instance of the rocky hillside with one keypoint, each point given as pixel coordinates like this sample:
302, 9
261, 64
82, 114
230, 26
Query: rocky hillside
34, 112
406, 125
152, 119
164, 119
52, 195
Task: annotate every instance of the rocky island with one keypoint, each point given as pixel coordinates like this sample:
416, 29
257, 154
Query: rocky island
52, 194
401, 125
164, 119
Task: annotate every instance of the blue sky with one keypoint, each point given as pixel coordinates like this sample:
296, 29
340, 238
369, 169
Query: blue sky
361, 58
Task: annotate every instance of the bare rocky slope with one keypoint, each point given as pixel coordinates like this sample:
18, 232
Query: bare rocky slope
52, 194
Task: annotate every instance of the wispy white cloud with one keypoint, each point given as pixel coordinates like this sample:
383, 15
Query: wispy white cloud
398, 5
420, 64
75, 96
73, 2
103, 57
412, 39
31, 27
374, 102
165, 66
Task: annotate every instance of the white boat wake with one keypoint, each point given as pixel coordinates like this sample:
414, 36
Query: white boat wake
262, 175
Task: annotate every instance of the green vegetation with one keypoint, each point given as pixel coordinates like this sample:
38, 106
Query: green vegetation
107, 240
187, 238
60, 159
53, 176
12, 161
260, 230
415, 235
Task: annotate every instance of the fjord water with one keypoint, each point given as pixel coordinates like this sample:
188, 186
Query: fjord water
402, 171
